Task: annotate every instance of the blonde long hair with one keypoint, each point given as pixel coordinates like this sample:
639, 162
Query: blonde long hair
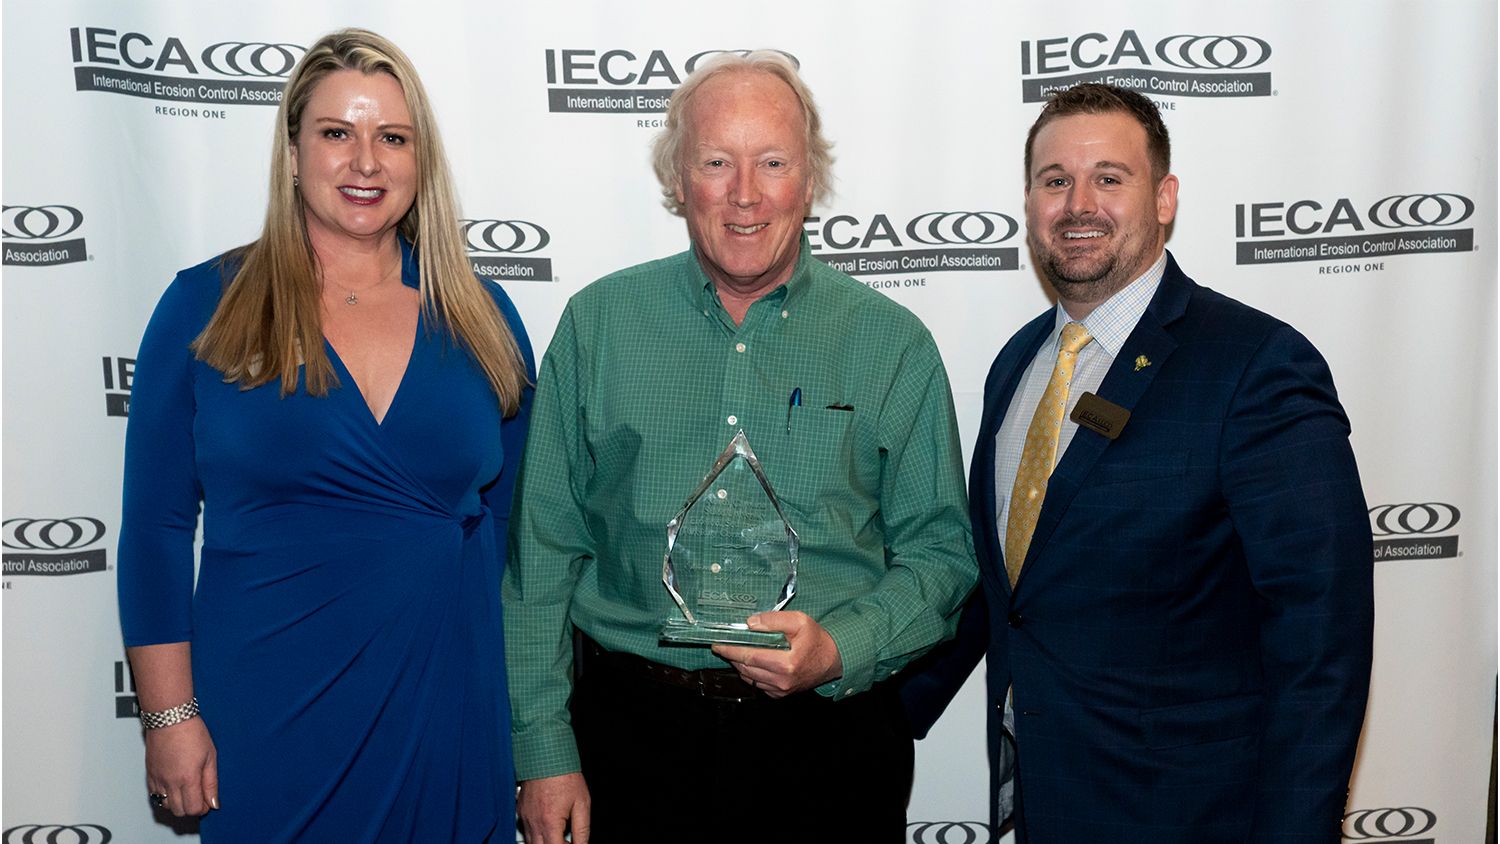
268, 319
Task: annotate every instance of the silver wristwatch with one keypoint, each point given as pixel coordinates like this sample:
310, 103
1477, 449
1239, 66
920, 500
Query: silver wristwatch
168, 717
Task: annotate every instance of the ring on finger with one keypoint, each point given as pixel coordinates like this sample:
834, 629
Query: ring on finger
158, 800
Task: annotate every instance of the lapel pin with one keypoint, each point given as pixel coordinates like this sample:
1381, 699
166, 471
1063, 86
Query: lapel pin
1141, 362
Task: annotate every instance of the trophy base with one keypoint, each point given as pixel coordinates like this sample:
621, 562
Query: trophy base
683, 633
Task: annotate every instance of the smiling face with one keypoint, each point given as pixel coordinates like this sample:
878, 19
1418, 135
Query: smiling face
355, 158
744, 181
1096, 215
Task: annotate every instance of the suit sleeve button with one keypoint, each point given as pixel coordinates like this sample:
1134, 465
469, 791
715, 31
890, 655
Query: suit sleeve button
1014, 619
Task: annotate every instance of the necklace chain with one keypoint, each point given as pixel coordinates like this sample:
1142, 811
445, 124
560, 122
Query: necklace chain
352, 297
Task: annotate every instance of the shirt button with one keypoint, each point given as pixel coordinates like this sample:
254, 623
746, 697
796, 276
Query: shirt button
848, 692
723, 494
733, 420
785, 314
739, 347
1014, 619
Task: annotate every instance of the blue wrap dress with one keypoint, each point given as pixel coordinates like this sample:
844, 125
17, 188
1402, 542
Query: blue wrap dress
345, 622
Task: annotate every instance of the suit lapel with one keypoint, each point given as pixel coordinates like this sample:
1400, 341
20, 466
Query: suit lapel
1004, 380
1123, 385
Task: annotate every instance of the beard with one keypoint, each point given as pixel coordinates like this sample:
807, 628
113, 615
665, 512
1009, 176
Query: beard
1085, 275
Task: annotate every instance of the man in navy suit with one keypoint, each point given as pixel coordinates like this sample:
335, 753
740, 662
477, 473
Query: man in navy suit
1176, 604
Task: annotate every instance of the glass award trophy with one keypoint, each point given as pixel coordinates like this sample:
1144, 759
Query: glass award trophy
730, 554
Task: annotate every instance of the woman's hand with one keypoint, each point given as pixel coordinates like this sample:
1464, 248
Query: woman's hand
180, 760
182, 764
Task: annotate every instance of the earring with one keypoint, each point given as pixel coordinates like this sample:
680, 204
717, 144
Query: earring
295, 181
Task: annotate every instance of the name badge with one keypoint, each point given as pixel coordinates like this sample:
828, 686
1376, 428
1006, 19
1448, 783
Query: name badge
1100, 416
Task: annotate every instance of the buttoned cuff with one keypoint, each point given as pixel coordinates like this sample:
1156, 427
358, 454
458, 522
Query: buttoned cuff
857, 653
545, 753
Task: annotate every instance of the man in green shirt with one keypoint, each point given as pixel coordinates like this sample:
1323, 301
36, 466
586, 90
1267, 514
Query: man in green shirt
844, 399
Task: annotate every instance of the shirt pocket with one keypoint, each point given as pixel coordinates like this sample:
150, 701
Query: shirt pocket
818, 469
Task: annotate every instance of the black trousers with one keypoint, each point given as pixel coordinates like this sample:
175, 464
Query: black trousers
668, 764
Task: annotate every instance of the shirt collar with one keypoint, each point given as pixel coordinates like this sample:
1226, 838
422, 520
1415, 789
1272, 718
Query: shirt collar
788, 293
1110, 324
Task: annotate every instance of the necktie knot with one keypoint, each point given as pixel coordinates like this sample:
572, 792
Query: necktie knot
1074, 338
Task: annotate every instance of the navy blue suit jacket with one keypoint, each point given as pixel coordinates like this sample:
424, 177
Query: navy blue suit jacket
1189, 640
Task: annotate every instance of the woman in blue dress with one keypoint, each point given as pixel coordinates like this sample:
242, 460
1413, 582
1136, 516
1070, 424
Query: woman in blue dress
347, 402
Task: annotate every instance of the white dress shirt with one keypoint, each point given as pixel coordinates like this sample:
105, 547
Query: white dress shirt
1109, 324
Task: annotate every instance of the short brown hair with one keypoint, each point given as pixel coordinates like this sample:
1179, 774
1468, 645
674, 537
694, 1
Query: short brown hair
1097, 98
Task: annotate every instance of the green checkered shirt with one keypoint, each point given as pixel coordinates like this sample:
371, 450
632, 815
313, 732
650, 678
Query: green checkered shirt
646, 381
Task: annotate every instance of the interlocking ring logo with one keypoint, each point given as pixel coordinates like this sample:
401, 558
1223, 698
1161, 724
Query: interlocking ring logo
516, 237
57, 833
957, 227
1372, 824
240, 58
948, 832
51, 534
1412, 519
40, 222
1213, 52
694, 59
1414, 210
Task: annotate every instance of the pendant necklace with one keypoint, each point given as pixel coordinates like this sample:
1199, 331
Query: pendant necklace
353, 296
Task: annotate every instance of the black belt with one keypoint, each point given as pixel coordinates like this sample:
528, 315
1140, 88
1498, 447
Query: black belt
713, 683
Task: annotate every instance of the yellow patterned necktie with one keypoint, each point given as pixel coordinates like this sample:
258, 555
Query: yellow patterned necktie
1040, 452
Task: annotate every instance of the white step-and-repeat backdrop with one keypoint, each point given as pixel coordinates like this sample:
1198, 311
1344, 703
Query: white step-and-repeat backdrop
1337, 162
